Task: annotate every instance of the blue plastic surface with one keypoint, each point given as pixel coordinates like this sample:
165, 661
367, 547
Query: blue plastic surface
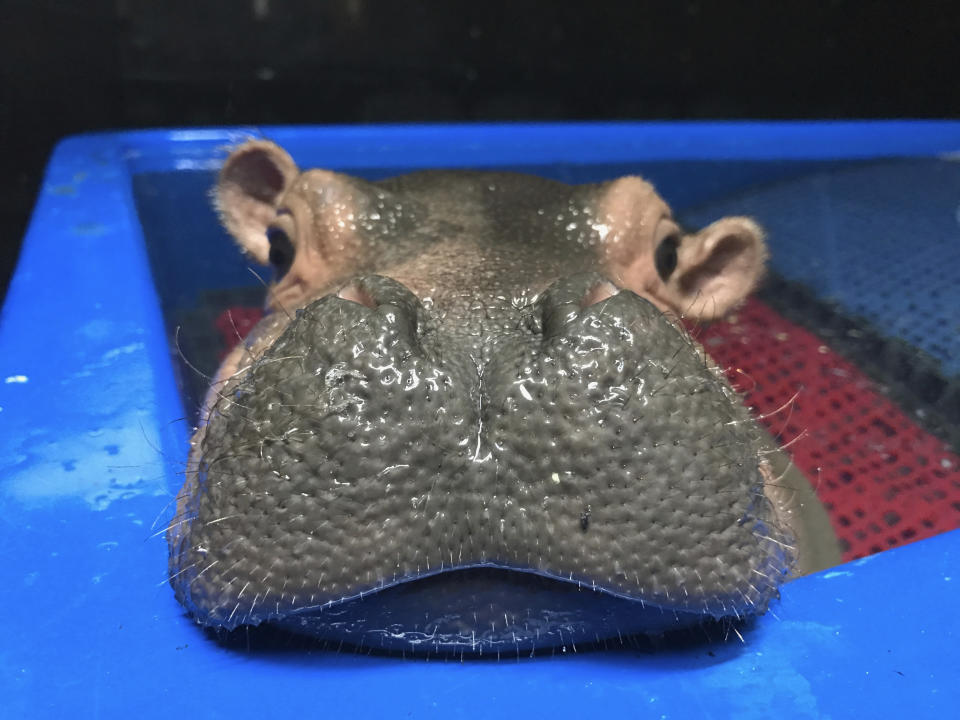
92, 450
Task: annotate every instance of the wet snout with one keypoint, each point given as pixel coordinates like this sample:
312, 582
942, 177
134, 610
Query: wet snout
385, 448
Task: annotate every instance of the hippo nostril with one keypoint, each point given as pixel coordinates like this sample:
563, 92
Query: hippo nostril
599, 292
391, 303
355, 292
567, 298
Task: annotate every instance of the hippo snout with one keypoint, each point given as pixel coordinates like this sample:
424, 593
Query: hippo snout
566, 464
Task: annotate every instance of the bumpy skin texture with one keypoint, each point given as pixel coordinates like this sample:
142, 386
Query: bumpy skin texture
479, 442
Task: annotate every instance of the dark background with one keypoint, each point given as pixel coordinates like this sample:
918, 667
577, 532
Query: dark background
73, 66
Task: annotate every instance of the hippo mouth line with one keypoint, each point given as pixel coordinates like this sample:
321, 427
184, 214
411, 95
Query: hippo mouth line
488, 608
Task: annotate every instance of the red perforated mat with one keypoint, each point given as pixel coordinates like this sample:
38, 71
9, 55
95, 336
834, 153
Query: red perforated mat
233, 324
883, 479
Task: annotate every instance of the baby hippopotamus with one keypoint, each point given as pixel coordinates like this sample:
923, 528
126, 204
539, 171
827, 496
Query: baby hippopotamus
473, 422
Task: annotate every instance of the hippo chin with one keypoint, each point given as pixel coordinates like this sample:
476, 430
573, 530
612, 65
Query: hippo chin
472, 421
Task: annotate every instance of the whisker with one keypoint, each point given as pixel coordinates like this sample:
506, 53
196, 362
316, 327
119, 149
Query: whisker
176, 340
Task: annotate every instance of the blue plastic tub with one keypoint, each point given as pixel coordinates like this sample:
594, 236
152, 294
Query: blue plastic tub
93, 437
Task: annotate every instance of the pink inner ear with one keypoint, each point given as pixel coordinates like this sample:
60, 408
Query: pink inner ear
729, 262
256, 173
252, 179
598, 293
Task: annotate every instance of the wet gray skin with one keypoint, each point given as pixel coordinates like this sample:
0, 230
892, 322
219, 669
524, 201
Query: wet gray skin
473, 424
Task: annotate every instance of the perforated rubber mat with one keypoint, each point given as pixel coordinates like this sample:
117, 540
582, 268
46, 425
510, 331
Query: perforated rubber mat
884, 480
866, 257
881, 239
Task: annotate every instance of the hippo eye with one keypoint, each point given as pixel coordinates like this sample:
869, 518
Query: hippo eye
665, 256
281, 251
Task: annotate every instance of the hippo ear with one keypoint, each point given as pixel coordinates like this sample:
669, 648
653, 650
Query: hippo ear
251, 182
716, 268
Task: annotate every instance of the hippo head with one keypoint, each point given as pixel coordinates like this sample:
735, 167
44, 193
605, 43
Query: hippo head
472, 420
